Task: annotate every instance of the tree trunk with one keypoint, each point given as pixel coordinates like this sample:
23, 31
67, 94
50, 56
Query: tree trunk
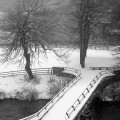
84, 26
82, 57
87, 35
27, 66
82, 62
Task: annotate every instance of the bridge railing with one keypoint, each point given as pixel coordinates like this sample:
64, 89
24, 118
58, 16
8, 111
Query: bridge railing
40, 114
72, 70
105, 68
84, 93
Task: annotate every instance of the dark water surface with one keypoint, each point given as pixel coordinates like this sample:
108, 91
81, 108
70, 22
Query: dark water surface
11, 109
108, 111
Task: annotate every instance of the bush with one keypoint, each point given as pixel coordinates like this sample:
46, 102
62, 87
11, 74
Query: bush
27, 94
113, 91
56, 84
18, 95
2, 95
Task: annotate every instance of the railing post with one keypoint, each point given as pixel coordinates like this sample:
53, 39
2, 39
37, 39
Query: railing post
91, 85
51, 71
12, 74
94, 80
73, 108
48, 72
83, 95
67, 115
78, 101
88, 90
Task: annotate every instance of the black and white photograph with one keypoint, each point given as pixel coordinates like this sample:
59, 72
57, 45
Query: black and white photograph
59, 59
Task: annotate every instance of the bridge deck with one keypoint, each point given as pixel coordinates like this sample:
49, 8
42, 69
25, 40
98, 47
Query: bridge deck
58, 111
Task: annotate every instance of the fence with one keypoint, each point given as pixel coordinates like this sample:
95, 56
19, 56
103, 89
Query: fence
40, 71
83, 95
105, 68
100, 47
49, 105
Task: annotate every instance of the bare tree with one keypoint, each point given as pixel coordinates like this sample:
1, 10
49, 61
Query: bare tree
30, 27
85, 12
80, 24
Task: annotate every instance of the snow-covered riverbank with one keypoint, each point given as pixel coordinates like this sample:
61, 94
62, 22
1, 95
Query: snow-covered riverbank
18, 87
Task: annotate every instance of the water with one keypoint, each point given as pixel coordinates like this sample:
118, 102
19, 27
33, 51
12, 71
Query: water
102, 110
105, 110
108, 111
11, 109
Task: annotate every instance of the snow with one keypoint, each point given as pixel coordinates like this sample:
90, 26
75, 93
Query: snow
71, 96
11, 84
99, 58
95, 58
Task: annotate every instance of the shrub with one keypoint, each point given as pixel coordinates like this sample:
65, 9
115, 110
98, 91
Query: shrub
2, 95
27, 94
56, 84
112, 91
19, 95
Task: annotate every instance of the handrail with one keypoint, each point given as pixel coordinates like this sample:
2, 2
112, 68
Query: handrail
52, 102
71, 69
105, 68
84, 93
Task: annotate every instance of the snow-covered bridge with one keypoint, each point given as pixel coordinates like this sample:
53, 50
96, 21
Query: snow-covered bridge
71, 99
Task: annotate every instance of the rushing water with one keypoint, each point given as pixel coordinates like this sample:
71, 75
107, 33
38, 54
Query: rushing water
11, 109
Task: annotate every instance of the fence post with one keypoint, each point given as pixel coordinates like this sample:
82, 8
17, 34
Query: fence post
12, 74
51, 71
48, 72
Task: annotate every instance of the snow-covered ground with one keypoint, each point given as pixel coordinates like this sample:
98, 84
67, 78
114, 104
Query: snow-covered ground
95, 58
14, 84
18, 87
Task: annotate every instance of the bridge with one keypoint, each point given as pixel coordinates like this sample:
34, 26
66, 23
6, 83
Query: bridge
74, 97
